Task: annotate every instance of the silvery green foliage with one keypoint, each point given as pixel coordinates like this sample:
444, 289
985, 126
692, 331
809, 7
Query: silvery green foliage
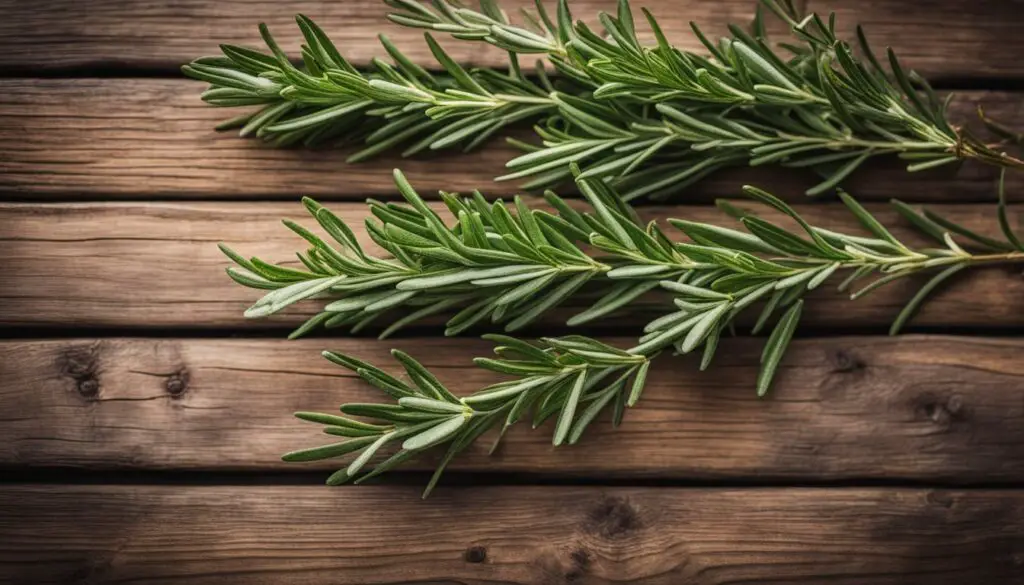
650, 119
624, 120
500, 264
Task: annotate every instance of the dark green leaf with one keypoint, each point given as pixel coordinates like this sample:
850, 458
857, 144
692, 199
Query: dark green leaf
775, 348
915, 303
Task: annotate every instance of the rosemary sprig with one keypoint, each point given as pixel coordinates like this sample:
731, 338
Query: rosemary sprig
513, 264
778, 267
507, 264
716, 275
395, 104
573, 377
813, 104
652, 119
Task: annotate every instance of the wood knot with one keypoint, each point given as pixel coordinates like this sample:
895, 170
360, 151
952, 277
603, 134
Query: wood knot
475, 554
844, 362
89, 388
937, 413
613, 517
580, 559
80, 363
955, 404
942, 499
177, 383
942, 410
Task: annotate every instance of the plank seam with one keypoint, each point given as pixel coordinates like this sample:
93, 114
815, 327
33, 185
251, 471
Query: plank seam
454, 479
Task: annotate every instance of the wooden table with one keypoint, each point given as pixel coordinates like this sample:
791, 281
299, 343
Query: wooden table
142, 418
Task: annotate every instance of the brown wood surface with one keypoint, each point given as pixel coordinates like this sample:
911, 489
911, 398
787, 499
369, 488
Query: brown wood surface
939, 38
156, 265
138, 138
136, 33
510, 535
162, 454
845, 408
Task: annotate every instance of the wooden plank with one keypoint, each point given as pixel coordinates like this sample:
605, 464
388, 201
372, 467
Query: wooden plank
512, 535
940, 38
89, 138
156, 265
114, 33
908, 408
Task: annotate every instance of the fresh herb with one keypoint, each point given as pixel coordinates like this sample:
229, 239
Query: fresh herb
501, 263
571, 378
512, 265
623, 120
651, 119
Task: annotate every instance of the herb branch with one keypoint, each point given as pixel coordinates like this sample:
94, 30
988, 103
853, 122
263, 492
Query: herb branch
650, 119
712, 277
511, 264
572, 378
623, 120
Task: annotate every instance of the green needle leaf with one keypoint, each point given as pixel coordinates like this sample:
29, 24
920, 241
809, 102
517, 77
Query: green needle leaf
703, 327
776, 346
435, 434
430, 405
367, 454
915, 303
953, 227
329, 451
565, 418
639, 381
1004, 220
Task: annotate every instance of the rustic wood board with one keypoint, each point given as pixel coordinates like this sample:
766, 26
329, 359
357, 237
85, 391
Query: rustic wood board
156, 265
158, 449
941, 39
845, 408
115, 33
945, 39
512, 535
139, 138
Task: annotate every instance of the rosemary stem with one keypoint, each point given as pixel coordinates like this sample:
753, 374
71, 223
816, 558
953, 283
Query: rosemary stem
996, 259
987, 156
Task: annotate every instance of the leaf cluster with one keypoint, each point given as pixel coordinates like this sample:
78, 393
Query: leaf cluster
396, 104
497, 263
623, 120
651, 119
571, 379
711, 277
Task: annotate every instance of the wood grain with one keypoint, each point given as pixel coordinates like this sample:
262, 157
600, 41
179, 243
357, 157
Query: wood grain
939, 38
909, 408
143, 138
509, 535
156, 265
136, 33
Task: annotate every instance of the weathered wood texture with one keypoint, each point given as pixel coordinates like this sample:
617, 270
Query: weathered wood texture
98, 138
939, 38
909, 408
509, 535
147, 265
135, 33
914, 409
